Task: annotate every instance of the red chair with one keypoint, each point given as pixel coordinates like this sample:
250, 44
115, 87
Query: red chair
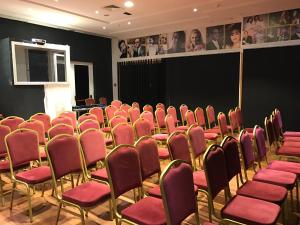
190, 118
183, 109
64, 158
239, 209
283, 133
93, 149
123, 134
223, 127
121, 112
134, 114
44, 118
149, 116
161, 106
211, 117
125, 107
160, 115
240, 121
62, 120
4, 164
98, 112
72, 116
200, 118
23, 148
170, 124
172, 111
87, 116
233, 121
12, 122
116, 103
117, 120
36, 126
4, 130
60, 129
136, 105
177, 187
124, 173
142, 128
88, 124
148, 108
109, 112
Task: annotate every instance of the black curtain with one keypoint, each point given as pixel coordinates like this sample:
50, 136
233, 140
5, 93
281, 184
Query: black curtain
142, 81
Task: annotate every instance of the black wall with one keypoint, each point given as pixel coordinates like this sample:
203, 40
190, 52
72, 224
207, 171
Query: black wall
86, 48
270, 80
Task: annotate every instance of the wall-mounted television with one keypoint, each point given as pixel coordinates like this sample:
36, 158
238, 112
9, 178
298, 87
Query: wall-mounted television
35, 64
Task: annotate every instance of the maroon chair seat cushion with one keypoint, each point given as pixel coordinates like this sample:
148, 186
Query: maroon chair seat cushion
88, 194
211, 136
249, 130
208, 223
106, 129
291, 167
200, 179
213, 130
291, 144
160, 137
184, 128
163, 153
4, 166
155, 191
100, 174
263, 191
276, 177
291, 134
250, 211
148, 211
291, 139
35, 175
288, 151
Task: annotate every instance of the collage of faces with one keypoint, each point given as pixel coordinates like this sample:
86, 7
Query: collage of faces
277, 26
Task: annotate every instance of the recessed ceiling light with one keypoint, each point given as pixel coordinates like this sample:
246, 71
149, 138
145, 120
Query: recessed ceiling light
128, 4
97, 12
128, 22
29, 9
195, 9
104, 27
56, 0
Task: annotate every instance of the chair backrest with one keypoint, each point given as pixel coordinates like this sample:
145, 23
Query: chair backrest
277, 113
276, 127
142, 128
246, 149
222, 124
172, 111
239, 117
178, 147
136, 105
148, 155
61, 120
4, 130
98, 112
125, 107
160, 115
12, 122
134, 114
72, 116
88, 124
109, 111
121, 112
215, 170
233, 120
211, 117
170, 124
22, 146
197, 141
200, 118
89, 101
123, 134
60, 129
260, 142
37, 126
64, 155
231, 153
148, 116
148, 108
183, 109
123, 169
160, 105
117, 120
44, 118
92, 143
177, 188
87, 116
190, 118
116, 103
270, 132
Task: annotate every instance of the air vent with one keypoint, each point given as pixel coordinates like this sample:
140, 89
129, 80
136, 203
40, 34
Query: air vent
111, 7
127, 13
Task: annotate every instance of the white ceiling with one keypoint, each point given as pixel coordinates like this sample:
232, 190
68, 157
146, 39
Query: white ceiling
148, 16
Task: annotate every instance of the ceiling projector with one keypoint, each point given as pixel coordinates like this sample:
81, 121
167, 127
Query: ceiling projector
38, 41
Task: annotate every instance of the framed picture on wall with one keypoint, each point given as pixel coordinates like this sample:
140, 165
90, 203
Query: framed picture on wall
295, 32
255, 29
162, 44
152, 45
215, 37
136, 47
195, 40
281, 33
177, 42
233, 35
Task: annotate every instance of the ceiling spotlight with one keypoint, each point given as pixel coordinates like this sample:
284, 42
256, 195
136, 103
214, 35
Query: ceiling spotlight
195, 9
104, 27
128, 4
56, 0
129, 23
97, 12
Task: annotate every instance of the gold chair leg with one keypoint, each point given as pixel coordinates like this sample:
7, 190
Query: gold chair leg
297, 195
29, 204
12, 195
292, 200
78, 178
58, 213
72, 180
43, 191
111, 210
82, 216
1, 190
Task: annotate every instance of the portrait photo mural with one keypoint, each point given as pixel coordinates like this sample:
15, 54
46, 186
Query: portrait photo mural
152, 45
215, 37
195, 40
255, 29
136, 47
162, 44
176, 42
233, 35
